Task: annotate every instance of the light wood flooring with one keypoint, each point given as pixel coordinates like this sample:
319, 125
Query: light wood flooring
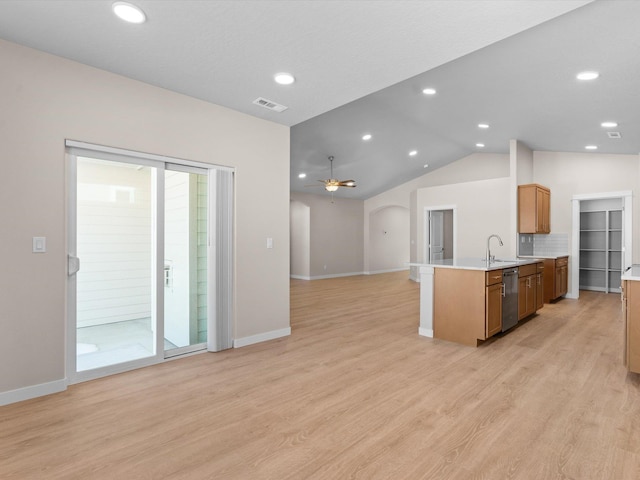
354, 393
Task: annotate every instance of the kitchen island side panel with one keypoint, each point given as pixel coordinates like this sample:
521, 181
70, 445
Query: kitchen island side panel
459, 305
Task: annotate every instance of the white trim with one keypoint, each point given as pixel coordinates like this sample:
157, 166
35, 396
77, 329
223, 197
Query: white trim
337, 275
33, 391
389, 270
627, 201
300, 277
261, 337
425, 230
141, 155
602, 195
425, 332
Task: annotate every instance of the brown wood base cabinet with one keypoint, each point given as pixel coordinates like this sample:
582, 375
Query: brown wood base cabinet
530, 288
467, 305
556, 273
631, 308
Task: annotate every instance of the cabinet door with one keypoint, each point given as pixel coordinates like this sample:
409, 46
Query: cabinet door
493, 314
539, 211
543, 204
526, 296
561, 281
539, 291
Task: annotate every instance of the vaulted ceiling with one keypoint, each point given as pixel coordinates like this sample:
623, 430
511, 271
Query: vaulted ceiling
361, 66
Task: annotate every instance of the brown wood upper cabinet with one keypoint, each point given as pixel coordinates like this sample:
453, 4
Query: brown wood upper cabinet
533, 208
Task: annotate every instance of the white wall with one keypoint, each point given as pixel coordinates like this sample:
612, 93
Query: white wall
389, 239
47, 99
300, 232
477, 166
568, 174
336, 235
482, 209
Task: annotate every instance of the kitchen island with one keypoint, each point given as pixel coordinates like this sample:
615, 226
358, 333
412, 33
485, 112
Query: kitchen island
461, 301
631, 316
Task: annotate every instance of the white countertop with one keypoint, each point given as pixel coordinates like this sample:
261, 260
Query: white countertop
544, 257
632, 273
476, 263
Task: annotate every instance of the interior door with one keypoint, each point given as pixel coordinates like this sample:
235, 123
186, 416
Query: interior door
436, 235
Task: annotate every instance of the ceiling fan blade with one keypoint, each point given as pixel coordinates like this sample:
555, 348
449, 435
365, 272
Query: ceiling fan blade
348, 186
347, 183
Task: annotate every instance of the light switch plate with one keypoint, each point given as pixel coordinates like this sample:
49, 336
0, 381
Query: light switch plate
39, 244
269, 242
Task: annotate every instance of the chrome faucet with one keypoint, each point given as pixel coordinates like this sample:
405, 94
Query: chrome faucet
488, 259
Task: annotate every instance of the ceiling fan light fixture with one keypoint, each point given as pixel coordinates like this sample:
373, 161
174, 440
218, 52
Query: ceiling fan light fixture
331, 187
128, 12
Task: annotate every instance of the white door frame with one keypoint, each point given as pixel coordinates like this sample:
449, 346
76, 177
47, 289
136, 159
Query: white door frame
627, 226
426, 230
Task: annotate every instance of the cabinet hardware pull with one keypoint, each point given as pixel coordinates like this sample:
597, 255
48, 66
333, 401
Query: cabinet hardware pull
504, 293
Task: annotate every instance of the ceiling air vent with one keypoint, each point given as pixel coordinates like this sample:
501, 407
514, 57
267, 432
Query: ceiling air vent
263, 102
614, 134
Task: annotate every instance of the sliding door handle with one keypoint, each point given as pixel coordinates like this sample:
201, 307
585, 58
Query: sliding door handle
73, 265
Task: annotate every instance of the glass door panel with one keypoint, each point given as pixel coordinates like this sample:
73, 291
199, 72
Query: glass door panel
185, 264
115, 219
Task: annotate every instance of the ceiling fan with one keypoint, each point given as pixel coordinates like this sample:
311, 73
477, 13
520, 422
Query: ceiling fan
332, 184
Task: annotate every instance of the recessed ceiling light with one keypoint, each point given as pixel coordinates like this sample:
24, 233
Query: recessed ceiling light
366, 136
426, 165
608, 124
483, 125
588, 75
429, 91
284, 78
591, 147
413, 153
128, 12
480, 145
302, 175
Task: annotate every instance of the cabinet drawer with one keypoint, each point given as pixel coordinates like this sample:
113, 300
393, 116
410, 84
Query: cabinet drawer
562, 261
492, 277
526, 270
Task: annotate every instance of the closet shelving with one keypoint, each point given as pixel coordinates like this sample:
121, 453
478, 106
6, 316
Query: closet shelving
601, 250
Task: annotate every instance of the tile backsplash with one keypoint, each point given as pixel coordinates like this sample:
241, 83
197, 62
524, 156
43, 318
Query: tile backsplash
552, 244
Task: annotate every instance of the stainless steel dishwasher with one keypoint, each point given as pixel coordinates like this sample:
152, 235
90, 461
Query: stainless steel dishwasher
509, 298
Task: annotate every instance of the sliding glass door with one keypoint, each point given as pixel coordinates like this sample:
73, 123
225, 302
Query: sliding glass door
185, 260
142, 269
115, 314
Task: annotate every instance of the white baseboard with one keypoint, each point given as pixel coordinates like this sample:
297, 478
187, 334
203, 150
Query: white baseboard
337, 275
300, 277
425, 332
33, 391
375, 272
261, 337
